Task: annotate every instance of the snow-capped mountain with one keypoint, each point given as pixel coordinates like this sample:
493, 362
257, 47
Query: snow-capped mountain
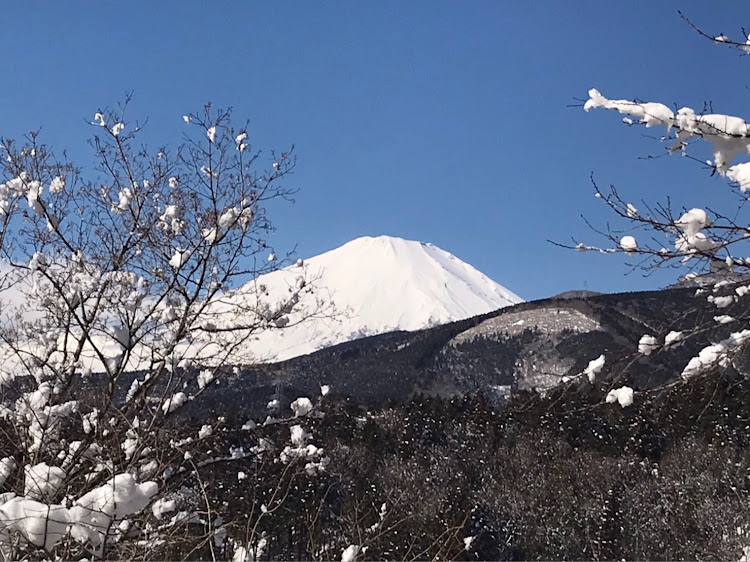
366, 287
377, 285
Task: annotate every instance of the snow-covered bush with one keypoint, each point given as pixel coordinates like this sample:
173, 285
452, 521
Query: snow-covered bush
119, 309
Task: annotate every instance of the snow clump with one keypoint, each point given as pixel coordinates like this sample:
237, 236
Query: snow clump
623, 395
350, 553
594, 368
629, 245
301, 407
647, 344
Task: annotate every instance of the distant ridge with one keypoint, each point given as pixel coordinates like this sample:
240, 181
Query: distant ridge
577, 294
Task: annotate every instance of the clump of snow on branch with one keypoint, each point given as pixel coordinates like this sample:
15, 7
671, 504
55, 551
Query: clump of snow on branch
174, 402
718, 354
728, 135
35, 522
721, 302
162, 506
647, 344
7, 466
673, 338
94, 513
179, 258
629, 245
350, 553
302, 450
205, 431
594, 367
301, 407
42, 481
651, 114
57, 185
90, 519
125, 198
240, 141
204, 378
622, 395
692, 240
33, 194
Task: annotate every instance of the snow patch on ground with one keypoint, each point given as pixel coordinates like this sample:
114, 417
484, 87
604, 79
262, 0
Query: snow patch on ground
548, 320
536, 368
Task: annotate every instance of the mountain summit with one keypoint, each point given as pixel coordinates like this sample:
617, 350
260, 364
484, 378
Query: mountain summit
379, 284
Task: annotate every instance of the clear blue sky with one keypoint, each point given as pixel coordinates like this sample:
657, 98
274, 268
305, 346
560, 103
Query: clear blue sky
431, 120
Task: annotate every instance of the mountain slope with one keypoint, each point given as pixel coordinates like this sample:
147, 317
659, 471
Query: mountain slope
378, 285
533, 345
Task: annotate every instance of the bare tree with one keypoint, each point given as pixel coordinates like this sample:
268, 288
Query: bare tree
128, 293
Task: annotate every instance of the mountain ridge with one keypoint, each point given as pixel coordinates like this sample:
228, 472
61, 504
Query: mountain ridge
531, 346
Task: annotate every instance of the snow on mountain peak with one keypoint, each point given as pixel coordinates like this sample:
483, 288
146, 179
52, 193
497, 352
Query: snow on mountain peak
369, 286
378, 285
